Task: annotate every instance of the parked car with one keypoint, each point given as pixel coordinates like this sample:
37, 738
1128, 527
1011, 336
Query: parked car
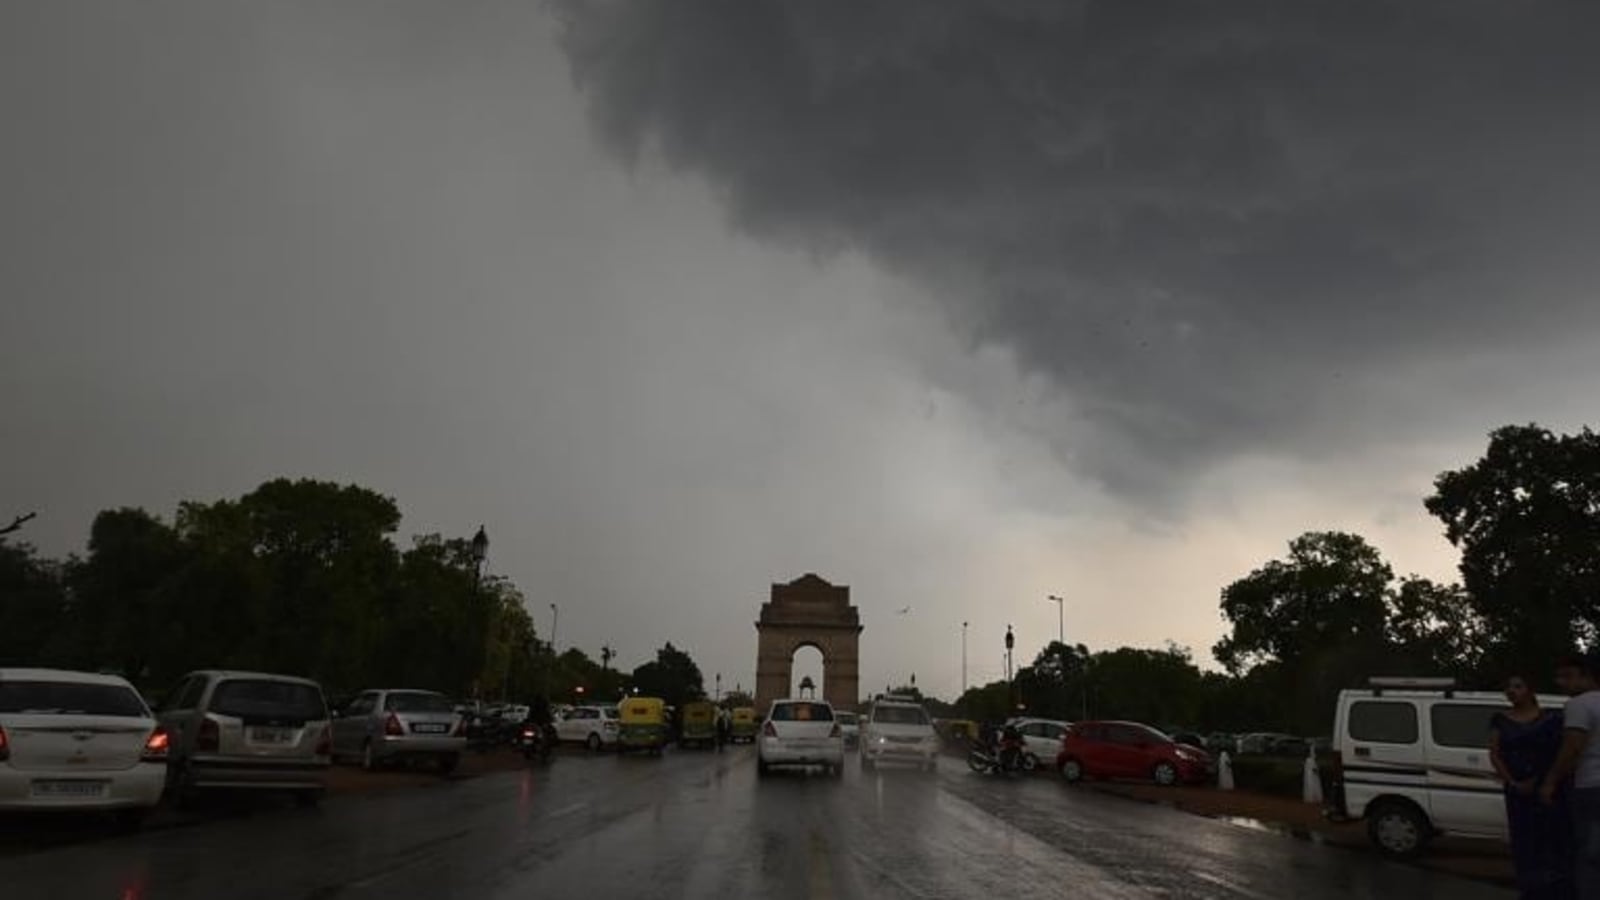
251, 730
79, 741
390, 725
801, 733
1218, 742
1414, 762
1129, 750
1287, 745
1187, 738
850, 725
898, 731
1260, 742
594, 727
1041, 740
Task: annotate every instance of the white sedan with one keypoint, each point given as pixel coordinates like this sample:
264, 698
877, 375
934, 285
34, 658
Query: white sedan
800, 733
78, 741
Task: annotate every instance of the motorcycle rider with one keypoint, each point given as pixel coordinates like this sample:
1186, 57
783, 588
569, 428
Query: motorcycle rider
1010, 750
543, 723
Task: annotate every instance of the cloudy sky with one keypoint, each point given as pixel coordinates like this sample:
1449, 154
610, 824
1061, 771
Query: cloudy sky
961, 304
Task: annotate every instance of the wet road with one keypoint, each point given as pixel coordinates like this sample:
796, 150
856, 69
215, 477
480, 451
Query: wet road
703, 826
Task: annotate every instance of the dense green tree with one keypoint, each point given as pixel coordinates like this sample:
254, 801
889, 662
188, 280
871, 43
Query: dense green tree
34, 616
1526, 518
672, 676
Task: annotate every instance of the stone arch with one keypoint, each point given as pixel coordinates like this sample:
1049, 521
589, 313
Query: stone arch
808, 612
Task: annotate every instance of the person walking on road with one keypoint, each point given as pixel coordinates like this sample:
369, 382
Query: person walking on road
1579, 760
1523, 745
724, 728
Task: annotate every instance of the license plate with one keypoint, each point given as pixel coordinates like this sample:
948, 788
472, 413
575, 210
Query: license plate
271, 735
69, 788
429, 728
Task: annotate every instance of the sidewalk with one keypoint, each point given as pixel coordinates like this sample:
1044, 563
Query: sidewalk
1484, 860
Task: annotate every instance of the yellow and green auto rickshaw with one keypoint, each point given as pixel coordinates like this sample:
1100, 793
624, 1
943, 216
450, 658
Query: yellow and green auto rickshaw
697, 725
642, 724
743, 726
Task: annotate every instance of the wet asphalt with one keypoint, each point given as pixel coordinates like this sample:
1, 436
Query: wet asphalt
703, 825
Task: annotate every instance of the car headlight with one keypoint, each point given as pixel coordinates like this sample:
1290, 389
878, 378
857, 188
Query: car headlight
881, 741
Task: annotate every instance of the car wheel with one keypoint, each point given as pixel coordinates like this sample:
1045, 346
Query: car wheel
1071, 771
593, 743
1399, 830
309, 799
448, 763
1165, 774
369, 760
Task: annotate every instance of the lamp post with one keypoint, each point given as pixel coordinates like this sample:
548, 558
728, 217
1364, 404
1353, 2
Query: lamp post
716, 695
555, 622
480, 552
1011, 641
963, 659
1061, 617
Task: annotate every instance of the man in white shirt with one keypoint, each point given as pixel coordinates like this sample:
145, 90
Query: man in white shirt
1580, 760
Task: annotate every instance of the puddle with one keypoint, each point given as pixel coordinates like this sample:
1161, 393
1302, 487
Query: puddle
1304, 834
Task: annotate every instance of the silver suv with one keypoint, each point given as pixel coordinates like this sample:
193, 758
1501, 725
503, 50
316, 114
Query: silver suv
389, 725
247, 730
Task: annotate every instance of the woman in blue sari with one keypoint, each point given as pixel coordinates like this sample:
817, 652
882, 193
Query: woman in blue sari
1523, 746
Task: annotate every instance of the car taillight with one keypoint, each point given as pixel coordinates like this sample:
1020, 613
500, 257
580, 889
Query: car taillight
325, 741
5, 746
209, 738
527, 731
769, 731
391, 725
460, 729
156, 746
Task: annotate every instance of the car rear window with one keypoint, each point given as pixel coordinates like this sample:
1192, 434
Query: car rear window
802, 712
899, 715
1383, 722
251, 697
847, 718
66, 698
418, 703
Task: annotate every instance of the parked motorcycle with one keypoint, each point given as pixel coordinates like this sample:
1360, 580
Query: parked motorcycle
1005, 756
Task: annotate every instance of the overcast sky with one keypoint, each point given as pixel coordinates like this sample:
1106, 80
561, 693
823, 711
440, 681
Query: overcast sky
959, 304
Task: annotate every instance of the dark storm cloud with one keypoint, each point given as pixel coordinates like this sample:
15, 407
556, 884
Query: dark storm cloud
1211, 224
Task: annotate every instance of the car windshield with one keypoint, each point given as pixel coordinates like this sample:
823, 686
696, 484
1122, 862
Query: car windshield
253, 697
70, 698
802, 712
418, 702
846, 718
899, 715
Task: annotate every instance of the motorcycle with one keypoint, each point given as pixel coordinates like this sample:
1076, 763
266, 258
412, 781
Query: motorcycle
1004, 757
536, 743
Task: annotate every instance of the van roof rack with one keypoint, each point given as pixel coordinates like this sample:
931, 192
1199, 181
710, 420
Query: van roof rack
1447, 686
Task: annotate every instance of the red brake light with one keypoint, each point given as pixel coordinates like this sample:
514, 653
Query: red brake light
527, 731
769, 731
391, 725
5, 746
461, 728
209, 738
325, 741
156, 746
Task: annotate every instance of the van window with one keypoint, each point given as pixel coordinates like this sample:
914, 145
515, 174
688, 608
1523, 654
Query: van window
1462, 724
246, 698
1383, 722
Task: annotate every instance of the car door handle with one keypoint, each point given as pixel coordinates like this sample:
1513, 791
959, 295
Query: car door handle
1364, 752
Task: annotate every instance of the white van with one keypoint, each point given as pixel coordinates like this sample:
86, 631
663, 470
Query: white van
1414, 759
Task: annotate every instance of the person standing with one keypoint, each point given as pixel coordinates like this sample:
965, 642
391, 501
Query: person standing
1579, 760
1524, 742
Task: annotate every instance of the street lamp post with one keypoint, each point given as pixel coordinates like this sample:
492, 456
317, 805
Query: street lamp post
555, 622
1061, 617
716, 695
963, 659
1011, 641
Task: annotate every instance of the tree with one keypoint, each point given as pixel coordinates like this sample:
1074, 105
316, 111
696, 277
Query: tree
1435, 630
33, 608
125, 591
672, 676
1526, 518
1330, 594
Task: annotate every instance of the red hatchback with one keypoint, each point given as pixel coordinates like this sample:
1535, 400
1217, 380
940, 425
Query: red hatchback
1129, 750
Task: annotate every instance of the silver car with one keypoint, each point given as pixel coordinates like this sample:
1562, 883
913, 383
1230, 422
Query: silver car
247, 730
393, 725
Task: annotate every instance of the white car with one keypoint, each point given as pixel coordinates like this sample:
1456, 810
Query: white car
850, 726
78, 741
800, 733
1041, 739
1414, 755
594, 727
899, 731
